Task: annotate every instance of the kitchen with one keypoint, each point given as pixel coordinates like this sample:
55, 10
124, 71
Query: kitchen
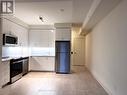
35, 45
35, 49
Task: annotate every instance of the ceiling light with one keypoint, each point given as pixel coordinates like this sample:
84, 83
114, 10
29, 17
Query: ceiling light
52, 31
41, 18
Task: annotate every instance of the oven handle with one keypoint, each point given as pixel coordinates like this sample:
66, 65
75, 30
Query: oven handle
17, 62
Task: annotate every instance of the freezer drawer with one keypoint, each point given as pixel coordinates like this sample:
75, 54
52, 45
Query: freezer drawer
62, 64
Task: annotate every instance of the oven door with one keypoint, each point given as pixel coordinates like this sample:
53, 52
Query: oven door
16, 70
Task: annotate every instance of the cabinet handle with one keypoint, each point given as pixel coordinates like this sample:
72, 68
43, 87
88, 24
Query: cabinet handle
17, 62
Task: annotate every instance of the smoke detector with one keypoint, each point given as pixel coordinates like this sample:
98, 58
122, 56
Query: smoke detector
61, 10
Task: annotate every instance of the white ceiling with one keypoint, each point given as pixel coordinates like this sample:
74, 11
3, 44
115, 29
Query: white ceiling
98, 11
29, 11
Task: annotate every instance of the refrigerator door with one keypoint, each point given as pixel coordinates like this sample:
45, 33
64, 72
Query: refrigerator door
62, 62
62, 46
62, 58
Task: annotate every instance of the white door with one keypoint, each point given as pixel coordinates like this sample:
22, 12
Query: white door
79, 52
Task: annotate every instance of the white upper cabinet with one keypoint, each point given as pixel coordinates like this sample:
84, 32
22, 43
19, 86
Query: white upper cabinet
17, 30
6, 26
63, 34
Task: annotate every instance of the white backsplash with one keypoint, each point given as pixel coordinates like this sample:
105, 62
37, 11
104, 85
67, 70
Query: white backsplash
14, 51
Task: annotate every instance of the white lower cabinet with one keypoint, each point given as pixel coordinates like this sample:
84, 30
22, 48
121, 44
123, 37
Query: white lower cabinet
5, 72
42, 63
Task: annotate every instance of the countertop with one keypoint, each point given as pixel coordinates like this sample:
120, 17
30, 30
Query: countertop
6, 59
10, 58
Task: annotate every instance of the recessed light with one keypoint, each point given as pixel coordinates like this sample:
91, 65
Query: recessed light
62, 10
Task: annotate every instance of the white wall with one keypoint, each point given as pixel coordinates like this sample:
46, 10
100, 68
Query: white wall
0, 53
106, 51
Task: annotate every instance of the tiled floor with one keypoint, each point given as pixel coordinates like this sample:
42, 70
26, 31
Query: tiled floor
80, 82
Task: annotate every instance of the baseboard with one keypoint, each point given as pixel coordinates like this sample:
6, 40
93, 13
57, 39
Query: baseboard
40, 71
100, 82
78, 65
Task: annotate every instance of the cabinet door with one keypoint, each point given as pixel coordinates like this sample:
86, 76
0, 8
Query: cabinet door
6, 26
63, 34
42, 63
5, 72
59, 35
66, 34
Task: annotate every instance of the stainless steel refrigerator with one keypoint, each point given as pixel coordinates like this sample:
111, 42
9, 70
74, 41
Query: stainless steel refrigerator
62, 57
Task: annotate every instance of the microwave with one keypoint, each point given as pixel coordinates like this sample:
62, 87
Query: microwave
9, 39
